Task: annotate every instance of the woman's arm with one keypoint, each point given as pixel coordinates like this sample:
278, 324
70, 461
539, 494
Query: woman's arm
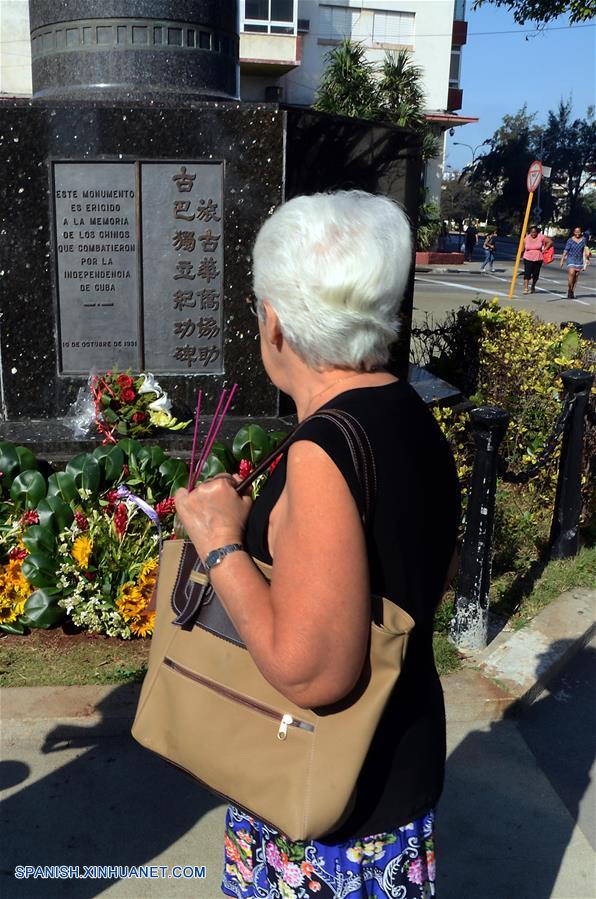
308, 631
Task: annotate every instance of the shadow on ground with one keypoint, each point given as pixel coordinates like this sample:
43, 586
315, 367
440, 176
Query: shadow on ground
114, 804
512, 800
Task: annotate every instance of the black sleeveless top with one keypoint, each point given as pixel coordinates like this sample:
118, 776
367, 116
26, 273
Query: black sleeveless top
411, 538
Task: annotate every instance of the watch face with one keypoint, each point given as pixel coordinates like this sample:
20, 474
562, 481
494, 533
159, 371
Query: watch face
212, 558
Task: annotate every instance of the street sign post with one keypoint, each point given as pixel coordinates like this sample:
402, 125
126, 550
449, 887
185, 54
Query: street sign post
532, 181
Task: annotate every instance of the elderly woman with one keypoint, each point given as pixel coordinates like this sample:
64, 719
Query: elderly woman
329, 274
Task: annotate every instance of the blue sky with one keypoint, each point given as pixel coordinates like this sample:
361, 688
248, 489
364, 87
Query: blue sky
501, 72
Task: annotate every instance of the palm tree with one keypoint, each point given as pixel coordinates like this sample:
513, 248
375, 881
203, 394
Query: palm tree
352, 86
348, 86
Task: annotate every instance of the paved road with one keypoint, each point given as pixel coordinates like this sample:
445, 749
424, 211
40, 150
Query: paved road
440, 289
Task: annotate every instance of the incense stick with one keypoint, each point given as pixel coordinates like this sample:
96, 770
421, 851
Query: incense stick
194, 441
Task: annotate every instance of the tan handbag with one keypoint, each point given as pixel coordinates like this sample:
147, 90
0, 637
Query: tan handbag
206, 707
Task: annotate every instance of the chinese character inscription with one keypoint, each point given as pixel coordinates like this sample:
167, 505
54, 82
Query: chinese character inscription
183, 272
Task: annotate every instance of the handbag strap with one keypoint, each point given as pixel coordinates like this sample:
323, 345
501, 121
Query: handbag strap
358, 445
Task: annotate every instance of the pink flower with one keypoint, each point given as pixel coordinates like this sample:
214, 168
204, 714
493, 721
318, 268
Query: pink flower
28, 518
17, 553
120, 519
417, 871
82, 523
292, 875
245, 873
245, 468
165, 507
273, 856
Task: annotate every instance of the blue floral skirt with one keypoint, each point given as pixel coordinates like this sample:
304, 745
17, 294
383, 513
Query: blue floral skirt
261, 863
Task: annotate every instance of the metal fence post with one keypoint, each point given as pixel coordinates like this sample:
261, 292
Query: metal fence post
564, 534
469, 627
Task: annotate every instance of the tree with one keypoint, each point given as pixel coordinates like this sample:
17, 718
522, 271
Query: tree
460, 200
503, 170
569, 147
543, 11
348, 85
351, 85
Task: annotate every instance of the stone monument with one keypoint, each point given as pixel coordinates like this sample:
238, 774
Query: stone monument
133, 185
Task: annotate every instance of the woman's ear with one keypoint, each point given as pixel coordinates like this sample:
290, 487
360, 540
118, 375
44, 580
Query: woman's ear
272, 327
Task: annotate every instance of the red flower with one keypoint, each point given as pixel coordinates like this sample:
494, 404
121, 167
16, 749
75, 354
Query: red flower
275, 463
17, 553
82, 523
28, 518
139, 417
245, 468
125, 470
120, 519
90, 575
166, 507
124, 381
128, 395
112, 496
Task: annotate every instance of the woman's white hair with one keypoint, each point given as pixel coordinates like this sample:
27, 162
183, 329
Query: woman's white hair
334, 267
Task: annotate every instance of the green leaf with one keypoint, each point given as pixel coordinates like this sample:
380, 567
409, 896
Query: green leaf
42, 609
39, 569
38, 538
54, 512
9, 462
570, 344
128, 446
251, 442
15, 627
212, 467
63, 485
28, 488
174, 473
27, 460
122, 428
157, 456
111, 460
86, 472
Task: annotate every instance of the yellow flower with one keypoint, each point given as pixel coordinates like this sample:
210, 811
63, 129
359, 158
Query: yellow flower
142, 625
149, 570
81, 550
8, 613
131, 602
160, 419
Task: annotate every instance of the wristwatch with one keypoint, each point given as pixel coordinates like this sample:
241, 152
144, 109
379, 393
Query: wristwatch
214, 557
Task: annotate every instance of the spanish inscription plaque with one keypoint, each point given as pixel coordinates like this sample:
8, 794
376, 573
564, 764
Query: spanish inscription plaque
139, 290
182, 228
96, 244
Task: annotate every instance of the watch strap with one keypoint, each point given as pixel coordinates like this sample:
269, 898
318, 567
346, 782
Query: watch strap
216, 555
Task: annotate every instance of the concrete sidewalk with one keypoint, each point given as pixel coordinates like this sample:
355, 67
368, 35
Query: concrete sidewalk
79, 791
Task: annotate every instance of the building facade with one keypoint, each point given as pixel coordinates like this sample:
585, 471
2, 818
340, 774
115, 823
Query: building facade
284, 43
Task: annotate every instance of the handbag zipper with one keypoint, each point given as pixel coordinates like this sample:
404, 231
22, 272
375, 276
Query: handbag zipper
285, 721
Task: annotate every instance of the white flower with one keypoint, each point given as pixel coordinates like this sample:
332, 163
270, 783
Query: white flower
149, 384
161, 404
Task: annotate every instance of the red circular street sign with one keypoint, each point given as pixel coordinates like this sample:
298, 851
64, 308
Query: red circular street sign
534, 176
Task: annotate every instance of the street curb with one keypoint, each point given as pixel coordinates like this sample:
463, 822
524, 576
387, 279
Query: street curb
509, 674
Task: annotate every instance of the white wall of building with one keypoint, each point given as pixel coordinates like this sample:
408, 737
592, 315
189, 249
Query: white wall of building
425, 26
15, 48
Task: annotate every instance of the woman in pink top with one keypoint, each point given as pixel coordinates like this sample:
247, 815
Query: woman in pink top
535, 244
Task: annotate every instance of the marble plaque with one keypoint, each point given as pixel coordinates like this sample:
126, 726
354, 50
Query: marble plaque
182, 237
96, 244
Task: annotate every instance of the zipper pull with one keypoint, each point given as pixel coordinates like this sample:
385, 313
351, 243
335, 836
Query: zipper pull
282, 733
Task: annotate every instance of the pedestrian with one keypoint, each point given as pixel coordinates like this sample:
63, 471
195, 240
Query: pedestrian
327, 308
535, 244
577, 255
490, 248
471, 239
444, 238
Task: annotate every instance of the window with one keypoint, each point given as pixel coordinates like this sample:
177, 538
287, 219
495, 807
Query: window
454, 67
393, 28
269, 16
337, 22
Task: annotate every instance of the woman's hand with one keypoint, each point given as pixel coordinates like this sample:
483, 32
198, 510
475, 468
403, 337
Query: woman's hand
213, 514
